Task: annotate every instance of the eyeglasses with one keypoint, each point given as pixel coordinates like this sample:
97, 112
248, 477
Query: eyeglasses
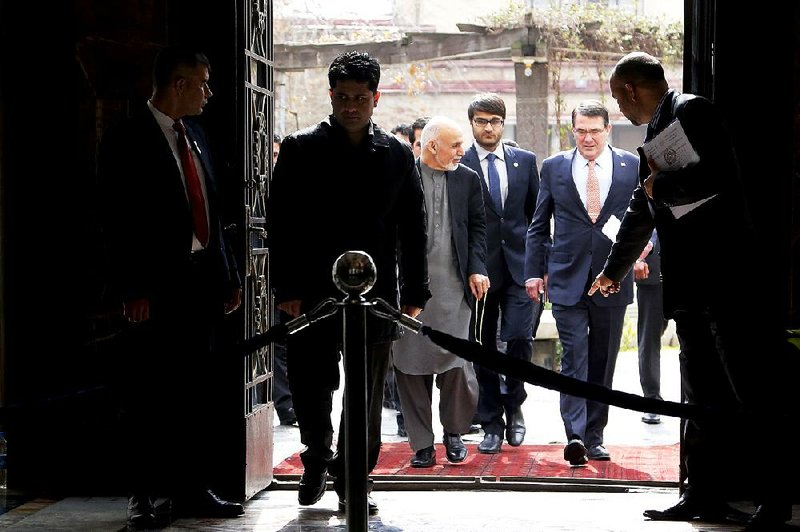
592, 132
481, 122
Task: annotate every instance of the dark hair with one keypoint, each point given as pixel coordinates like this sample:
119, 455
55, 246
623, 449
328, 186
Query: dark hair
171, 59
355, 66
403, 129
419, 123
276, 138
487, 102
590, 108
639, 68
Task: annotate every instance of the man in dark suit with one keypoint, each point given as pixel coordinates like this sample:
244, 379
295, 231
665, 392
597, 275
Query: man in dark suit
173, 276
650, 324
509, 200
457, 266
584, 192
700, 211
343, 184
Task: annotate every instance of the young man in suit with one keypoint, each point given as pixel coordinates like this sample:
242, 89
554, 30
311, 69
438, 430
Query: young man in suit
343, 184
700, 210
172, 274
585, 192
457, 267
510, 182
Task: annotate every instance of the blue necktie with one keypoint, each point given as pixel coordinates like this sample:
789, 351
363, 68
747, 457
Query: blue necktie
494, 182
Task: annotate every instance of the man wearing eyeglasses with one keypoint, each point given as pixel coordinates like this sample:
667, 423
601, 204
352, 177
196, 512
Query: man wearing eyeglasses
510, 184
584, 192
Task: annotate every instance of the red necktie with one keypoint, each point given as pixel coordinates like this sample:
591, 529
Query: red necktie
196, 202
593, 193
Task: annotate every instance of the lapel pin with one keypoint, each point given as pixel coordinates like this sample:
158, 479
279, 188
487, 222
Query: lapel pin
516, 164
622, 163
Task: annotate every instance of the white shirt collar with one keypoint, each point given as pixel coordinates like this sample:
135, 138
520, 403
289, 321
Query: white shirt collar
604, 160
483, 152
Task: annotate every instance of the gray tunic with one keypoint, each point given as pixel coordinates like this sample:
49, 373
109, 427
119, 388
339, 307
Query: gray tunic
448, 310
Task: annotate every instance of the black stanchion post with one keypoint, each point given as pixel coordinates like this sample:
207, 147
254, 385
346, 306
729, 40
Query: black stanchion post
354, 274
355, 413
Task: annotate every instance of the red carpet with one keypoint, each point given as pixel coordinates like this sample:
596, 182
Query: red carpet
657, 463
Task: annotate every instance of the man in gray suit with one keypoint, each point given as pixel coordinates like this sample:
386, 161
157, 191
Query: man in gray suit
510, 182
585, 192
456, 251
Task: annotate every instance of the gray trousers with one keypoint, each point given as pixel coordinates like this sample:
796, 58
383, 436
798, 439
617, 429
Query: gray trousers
458, 398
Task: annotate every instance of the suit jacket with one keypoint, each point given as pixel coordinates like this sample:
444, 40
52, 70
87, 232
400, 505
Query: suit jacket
506, 231
148, 224
578, 248
716, 230
328, 197
468, 222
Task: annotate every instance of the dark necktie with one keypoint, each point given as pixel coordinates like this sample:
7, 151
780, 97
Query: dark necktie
494, 182
197, 204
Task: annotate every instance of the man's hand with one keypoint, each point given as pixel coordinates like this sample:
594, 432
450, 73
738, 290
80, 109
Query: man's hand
478, 285
648, 183
234, 301
410, 310
292, 308
641, 270
535, 288
605, 285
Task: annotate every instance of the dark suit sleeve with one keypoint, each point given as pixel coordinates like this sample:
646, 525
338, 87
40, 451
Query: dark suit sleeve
705, 130
477, 227
413, 238
634, 232
533, 189
539, 239
284, 225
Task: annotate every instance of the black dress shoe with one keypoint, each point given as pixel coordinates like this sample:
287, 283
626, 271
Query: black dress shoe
288, 417
769, 518
598, 452
312, 486
205, 504
424, 457
372, 506
575, 452
491, 444
456, 451
695, 508
515, 428
141, 512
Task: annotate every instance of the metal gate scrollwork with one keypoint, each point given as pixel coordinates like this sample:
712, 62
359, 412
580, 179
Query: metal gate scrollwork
258, 104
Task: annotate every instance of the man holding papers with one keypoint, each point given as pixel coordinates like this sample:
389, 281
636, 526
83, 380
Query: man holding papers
729, 354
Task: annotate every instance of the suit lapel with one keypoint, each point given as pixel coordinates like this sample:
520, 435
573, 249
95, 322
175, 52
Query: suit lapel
569, 185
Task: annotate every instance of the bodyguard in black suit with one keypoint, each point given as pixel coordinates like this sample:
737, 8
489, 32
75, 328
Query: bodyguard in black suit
508, 213
728, 355
171, 273
343, 184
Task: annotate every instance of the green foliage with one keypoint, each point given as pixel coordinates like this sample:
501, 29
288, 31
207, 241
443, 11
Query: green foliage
590, 30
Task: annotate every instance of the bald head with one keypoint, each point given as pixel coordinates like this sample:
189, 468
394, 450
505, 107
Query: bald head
637, 83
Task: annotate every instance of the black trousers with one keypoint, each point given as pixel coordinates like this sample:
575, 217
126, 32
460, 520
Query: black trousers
313, 367
734, 361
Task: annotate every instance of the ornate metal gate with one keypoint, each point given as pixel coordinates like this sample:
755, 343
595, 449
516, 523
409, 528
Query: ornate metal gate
257, 120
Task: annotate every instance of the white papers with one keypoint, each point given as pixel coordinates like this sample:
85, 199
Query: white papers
681, 210
671, 149
611, 228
